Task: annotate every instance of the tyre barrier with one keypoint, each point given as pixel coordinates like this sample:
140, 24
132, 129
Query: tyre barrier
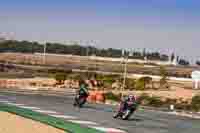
96, 97
100, 97
92, 96
11, 83
3, 83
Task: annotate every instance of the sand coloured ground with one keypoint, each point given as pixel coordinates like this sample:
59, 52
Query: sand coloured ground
11, 123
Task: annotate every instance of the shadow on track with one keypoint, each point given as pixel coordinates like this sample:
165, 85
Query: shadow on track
98, 108
135, 119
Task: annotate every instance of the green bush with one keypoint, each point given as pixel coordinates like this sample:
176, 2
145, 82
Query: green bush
54, 71
156, 101
143, 99
170, 101
60, 77
183, 105
109, 79
141, 83
76, 76
112, 96
195, 104
130, 84
164, 78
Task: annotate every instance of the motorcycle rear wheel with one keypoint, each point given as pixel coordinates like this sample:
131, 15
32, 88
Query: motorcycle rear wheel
116, 115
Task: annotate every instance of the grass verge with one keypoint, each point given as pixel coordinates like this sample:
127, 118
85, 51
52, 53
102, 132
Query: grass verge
69, 127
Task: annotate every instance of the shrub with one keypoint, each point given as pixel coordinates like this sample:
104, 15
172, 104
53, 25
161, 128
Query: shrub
112, 96
130, 83
143, 99
183, 106
109, 79
170, 101
155, 101
99, 77
195, 104
60, 77
77, 76
164, 78
54, 71
141, 83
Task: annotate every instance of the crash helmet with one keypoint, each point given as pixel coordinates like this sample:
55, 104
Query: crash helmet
132, 97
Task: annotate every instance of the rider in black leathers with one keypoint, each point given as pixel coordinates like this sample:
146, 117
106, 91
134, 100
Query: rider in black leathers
83, 90
81, 93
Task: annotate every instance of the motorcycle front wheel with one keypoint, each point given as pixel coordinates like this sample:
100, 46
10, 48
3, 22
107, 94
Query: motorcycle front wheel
126, 115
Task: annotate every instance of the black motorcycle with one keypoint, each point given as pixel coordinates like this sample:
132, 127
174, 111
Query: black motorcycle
125, 114
80, 100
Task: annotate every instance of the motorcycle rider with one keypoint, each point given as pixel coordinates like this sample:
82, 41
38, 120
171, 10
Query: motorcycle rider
128, 101
83, 91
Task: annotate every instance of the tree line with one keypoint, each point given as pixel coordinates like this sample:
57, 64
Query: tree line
75, 49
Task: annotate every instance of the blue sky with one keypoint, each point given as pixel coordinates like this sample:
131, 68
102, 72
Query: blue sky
165, 25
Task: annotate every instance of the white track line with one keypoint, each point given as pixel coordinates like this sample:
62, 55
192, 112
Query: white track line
15, 104
5, 101
64, 116
29, 107
109, 130
84, 122
45, 111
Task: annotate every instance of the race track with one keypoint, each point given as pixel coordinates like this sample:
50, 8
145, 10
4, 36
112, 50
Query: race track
100, 116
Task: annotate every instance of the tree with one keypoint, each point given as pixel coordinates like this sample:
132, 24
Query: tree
163, 74
172, 57
60, 77
75, 49
141, 83
144, 52
177, 58
130, 83
164, 57
196, 103
198, 63
183, 62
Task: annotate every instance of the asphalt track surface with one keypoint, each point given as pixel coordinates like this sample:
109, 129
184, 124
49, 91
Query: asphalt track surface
143, 121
